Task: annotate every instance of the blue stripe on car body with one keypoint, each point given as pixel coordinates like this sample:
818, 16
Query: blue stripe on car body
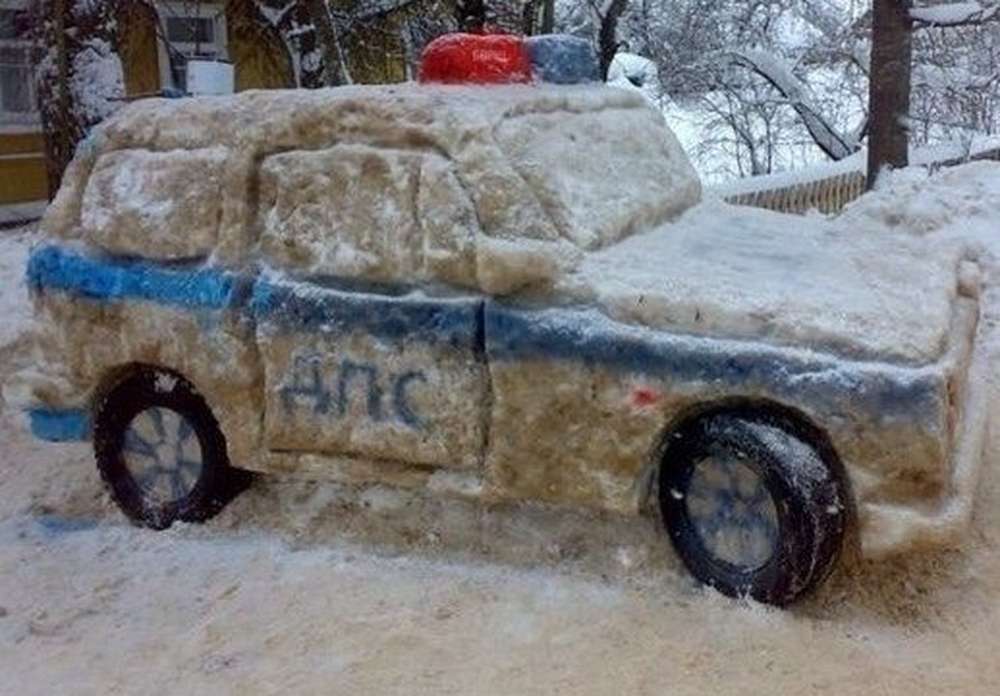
60, 425
453, 322
56, 268
797, 375
504, 331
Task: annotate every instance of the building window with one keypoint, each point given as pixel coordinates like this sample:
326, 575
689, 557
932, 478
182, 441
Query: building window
191, 30
17, 84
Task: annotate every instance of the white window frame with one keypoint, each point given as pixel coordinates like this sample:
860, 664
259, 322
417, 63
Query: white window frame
21, 118
218, 50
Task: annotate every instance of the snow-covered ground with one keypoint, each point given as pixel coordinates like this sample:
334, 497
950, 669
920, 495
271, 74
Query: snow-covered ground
15, 311
282, 594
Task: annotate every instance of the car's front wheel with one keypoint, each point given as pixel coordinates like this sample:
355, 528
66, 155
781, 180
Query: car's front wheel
751, 507
160, 451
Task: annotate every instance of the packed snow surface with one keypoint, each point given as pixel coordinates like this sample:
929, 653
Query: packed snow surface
957, 203
493, 189
15, 307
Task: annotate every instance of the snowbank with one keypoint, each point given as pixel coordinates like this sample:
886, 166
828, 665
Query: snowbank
15, 306
956, 202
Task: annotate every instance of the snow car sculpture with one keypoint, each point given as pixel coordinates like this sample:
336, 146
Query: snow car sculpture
505, 292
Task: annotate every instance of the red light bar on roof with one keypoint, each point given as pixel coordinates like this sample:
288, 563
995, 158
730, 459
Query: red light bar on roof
506, 59
480, 59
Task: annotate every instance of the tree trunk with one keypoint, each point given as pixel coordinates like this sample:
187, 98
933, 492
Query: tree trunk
56, 104
470, 15
548, 16
529, 17
334, 71
607, 39
889, 87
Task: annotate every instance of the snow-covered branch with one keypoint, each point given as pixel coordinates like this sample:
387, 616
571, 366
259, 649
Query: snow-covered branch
367, 10
951, 78
277, 16
836, 145
958, 14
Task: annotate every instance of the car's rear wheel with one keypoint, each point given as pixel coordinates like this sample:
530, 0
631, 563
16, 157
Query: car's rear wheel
160, 451
751, 507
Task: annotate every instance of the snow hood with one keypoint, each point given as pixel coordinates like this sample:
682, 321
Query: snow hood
857, 288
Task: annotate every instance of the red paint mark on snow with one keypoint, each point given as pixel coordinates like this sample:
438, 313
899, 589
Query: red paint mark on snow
643, 397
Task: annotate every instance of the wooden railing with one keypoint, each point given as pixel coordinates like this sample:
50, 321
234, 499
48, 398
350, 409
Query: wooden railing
828, 194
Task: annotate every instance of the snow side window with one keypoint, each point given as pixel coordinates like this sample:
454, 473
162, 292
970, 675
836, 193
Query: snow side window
17, 88
193, 30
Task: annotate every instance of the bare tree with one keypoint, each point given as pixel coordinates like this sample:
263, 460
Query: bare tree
893, 22
77, 86
470, 14
889, 86
608, 13
956, 84
834, 144
334, 68
61, 129
548, 17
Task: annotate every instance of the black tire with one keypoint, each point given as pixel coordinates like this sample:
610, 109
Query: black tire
149, 389
809, 504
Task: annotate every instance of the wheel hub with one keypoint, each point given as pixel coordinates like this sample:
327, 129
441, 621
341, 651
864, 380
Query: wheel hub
162, 454
732, 511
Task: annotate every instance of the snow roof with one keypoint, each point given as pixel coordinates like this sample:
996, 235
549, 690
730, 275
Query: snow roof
585, 164
559, 168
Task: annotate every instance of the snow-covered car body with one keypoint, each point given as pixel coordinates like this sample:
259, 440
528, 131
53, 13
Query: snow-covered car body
493, 292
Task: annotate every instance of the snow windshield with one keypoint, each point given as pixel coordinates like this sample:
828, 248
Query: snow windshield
602, 175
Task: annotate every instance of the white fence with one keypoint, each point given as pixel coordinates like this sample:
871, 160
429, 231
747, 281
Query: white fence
828, 194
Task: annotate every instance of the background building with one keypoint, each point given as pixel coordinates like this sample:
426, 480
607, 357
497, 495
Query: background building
128, 49
22, 160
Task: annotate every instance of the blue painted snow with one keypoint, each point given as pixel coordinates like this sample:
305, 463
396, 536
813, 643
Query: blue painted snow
58, 525
304, 307
60, 425
106, 279
504, 332
563, 59
583, 336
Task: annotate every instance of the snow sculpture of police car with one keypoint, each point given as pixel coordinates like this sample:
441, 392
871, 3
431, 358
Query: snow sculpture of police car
507, 290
